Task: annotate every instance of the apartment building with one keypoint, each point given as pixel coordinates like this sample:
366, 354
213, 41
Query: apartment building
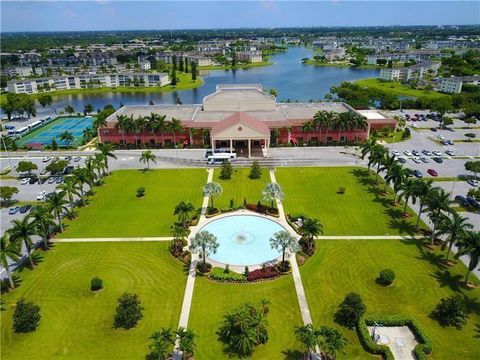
250, 56
453, 85
414, 72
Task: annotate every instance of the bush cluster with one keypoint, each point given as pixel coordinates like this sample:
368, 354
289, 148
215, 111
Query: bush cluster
386, 277
451, 311
350, 310
26, 316
265, 273
220, 274
140, 191
128, 312
96, 284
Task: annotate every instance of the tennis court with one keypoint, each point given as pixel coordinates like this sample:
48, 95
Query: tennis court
45, 134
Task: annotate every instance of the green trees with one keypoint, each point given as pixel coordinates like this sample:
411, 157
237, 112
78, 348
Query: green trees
87, 109
81, 176
18, 104
255, 171
473, 166
69, 109
331, 341
453, 226
451, 311
107, 152
469, 244
57, 205
194, 71
43, 222
26, 166
22, 231
437, 201
310, 229
175, 127
244, 328
186, 342
148, 156
26, 316
161, 343
226, 170
423, 188
308, 335
8, 250
285, 242
212, 190
66, 137
128, 312
45, 99
183, 211
6, 193
69, 186
350, 310
56, 166
204, 243
272, 192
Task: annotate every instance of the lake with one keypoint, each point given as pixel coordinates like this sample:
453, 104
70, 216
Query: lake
292, 80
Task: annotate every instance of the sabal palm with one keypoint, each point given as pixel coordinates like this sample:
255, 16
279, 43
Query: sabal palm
409, 190
388, 164
141, 126
367, 148
90, 168
321, 119
423, 188
43, 221
310, 229
183, 211
377, 157
107, 151
148, 156
469, 244
121, 125
22, 231
186, 342
99, 164
71, 188
9, 250
397, 176
454, 226
308, 127
67, 137
308, 335
359, 124
81, 177
175, 127
56, 204
437, 201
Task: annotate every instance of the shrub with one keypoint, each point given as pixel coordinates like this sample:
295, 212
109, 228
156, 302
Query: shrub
341, 190
96, 284
220, 274
255, 171
140, 191
386, 277
204, 268
266, 272
128, 312
451, 311
350, 310
26, 316
226, 171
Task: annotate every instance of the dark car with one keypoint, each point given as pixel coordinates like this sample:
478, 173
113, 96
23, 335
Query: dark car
68, 158
401, 160
432, 172
33, 180
472, 202
461, 200
438, 160
68, 170
434, 129
43, 180
417, 173
25, 208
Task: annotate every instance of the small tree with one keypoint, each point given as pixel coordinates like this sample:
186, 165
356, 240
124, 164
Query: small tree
69, 109
451, 311
386, 277
255, 171
309, 337
186, 342
26, 316
350, 310
7, 192
26, 166
148, 156
273, 192
331, 341
54, 144
204, 243
96, 284
56, 166
283, 241
470, 136
212, 190
162, 341
473, 166
226, 171
128, 312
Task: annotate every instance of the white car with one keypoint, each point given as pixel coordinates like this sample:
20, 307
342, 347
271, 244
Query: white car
407, 152
395, 153
76, 158
437, 153
41, 195
450, 152
441, 137
417, 159
425, 159
25, 181
46, 159
473, 182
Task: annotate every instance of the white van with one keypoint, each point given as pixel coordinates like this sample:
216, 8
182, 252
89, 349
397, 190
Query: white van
220, 158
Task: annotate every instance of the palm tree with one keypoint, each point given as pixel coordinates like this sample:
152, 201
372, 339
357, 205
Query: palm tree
183, 211
273, 192
342, 123
9, 250
283, 241
309, 337
67, 137
359, 123
212, 190
438, 201
148, 156
69, 109
310, 229
100, 121
367, 148
388, 162
396, 175
332, 341
141, 126
43, 222
204, 243
99, 164
161, 343
21, 231
454, 227
122, 125
423, 188
307, 128
409, 190
107, 151
175, 126
186, 342
56, 204
469, 244
90, 167
179, 233
377, 157
160, 124
321, 119
81, 178
70, 188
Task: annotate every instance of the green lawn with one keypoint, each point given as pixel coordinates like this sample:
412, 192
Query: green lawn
212, 300
240, 186
360, 211
396, 88
340, 267
76, 323
115, 211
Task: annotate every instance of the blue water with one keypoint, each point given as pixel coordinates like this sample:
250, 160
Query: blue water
243, 239
292, 80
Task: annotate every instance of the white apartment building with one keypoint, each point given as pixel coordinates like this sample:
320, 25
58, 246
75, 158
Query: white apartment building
20, 71
250, 56
453, 85
414, 72
145, 65
85, 81
391, 74
335, 54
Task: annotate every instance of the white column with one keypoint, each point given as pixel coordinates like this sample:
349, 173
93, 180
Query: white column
267, 145
213, 145
231, 146
249, 148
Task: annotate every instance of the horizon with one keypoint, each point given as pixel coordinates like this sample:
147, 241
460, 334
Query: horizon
98, 16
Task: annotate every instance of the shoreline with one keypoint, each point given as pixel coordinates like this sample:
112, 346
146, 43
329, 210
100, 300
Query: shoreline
228, 67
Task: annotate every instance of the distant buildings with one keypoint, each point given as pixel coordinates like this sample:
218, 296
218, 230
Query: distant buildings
86, 81
334, 54
414, 72
453, 85
250, 56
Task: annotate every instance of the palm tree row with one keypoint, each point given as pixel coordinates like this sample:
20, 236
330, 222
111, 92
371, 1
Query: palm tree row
433, 201
154, 123
45, 219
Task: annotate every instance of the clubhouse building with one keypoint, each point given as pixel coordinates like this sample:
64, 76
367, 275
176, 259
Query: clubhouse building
240, 118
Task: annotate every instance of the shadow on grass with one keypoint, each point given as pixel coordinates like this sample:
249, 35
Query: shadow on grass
472, 304
37, 259
445, 278
403, 226
293, 354
477, 331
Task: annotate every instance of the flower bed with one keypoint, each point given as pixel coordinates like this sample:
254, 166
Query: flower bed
268, 272
224, 275
421, 351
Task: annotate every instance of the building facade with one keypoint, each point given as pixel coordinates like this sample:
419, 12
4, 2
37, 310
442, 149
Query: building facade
453, 85
414, 72
240, 118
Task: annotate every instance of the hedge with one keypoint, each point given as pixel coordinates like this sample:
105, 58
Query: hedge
423, 348
219, 274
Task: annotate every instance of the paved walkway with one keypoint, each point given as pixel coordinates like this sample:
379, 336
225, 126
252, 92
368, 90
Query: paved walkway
192, 272
372, 237
118, 239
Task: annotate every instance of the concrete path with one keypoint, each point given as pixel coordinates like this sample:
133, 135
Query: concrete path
119, 239
372, 237
192, 272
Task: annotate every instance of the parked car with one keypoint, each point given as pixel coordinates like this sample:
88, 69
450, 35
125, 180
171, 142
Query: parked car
59, 180
461, 200
427, 152
14, 210
407, 152
51, 180
450, 152
25, 181
401, 159
417, 173
68, 158
472, 202
432, 172
437, 153
76, 158
46, 159
42, 180
425, 159
44, 172
416, 152
68, 170
25, 208
441, 137
395, 153
416, 159
434, 129
438, 160
473, 182
33, 180
41, 195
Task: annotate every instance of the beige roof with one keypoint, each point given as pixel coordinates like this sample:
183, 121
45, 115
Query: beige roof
239, 119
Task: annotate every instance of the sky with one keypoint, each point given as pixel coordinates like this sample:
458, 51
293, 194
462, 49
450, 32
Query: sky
160, 15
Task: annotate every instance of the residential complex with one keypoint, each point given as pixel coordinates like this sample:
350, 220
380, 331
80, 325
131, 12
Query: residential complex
453, 85
414, 72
